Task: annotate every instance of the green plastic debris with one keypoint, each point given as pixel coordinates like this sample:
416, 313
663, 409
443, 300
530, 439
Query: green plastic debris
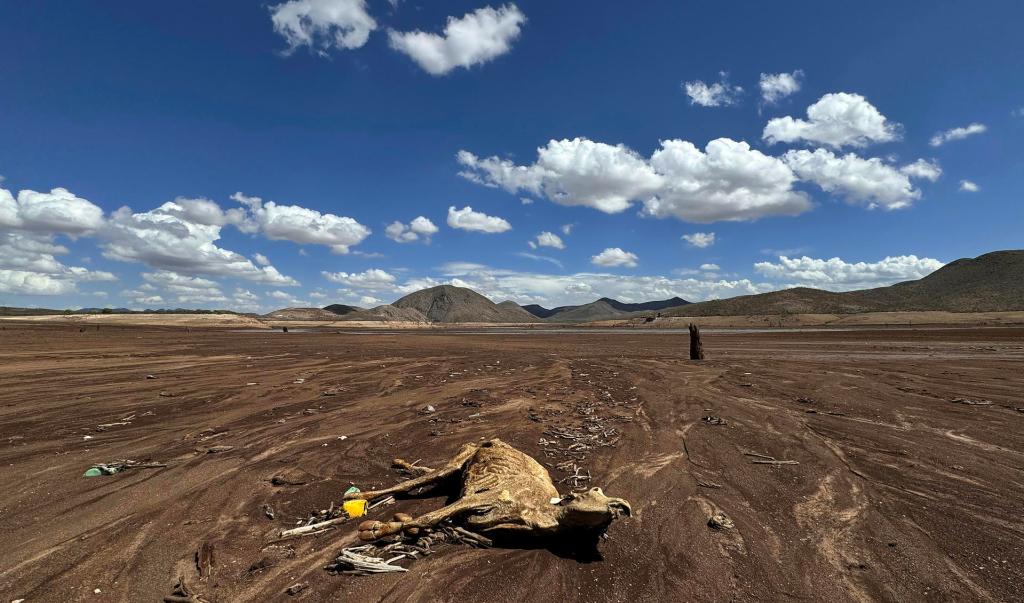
101, 469
351, 490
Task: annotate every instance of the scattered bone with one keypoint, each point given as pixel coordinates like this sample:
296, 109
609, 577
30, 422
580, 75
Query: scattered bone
713, 420
311, 529
353, 561
295, 589
268, 511
971, 402
721, 521
410, 468
390, 500
376, 558
764, 459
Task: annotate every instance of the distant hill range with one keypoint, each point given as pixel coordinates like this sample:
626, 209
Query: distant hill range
342, 309
602, 309
447, 303
13, 311
993, 282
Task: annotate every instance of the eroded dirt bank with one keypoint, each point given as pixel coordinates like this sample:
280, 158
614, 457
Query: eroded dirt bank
899, 494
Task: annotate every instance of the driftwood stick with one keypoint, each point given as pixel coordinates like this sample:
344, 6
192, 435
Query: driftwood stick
760, 456
774, 462
352, 560
704, 484
316, 527
384, 501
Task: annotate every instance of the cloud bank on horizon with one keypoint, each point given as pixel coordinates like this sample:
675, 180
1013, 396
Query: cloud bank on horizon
605, 212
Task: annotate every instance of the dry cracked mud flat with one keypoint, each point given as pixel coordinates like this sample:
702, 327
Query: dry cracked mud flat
899, 493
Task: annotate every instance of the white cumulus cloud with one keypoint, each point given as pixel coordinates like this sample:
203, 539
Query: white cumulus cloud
288, 298
474, 39
58, 211
548, 239
302, 225
28, 266
969, 187
700, 239
837, 119
870, 182
777, 86
923, 170
941, 138
323, 24
552, 290
372, 279
836, 274
726, 181
715, 94
614, 256
163, 239
205, 211
467, 219
185, 289
29, 225
419, 228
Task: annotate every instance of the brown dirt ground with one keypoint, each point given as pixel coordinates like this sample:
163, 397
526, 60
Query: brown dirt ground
899, 494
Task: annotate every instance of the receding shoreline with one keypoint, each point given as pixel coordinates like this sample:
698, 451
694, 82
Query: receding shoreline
238, 321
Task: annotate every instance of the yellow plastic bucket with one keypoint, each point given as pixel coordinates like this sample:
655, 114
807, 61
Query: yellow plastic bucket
354, 508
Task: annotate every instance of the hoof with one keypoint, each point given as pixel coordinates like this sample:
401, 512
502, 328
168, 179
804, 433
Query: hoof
372, 530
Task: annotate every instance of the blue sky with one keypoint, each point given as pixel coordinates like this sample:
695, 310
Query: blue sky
264, 149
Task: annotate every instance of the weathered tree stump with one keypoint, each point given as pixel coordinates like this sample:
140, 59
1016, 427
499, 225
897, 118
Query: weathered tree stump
696, 348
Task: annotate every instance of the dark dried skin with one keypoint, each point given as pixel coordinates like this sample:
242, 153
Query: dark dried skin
502, 490
900, 495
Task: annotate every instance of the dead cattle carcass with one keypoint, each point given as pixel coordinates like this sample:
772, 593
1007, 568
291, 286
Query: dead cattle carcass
504, 492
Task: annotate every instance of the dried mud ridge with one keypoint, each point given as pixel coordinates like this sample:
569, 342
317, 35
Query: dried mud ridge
877, 481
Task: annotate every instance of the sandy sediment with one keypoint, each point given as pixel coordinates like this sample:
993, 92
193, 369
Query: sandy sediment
899, 493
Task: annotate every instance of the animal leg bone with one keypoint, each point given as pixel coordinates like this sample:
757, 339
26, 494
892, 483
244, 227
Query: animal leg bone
407, 466
451, 468
372, 530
